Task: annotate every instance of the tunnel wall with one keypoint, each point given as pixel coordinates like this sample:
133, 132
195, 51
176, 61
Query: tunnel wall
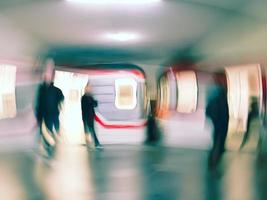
19, 48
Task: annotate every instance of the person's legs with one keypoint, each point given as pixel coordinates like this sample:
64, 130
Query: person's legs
223, 138
39, 139
246, 134
86, 132
150, 130
47, 146
49, 124
92, 131
214, 155
218, 146
56, 124
38, 135
53, 127
56, 128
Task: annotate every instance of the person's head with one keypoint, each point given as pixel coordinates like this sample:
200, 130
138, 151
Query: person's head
88, 88
49, 71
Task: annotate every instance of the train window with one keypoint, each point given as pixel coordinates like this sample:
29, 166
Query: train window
7, 91
125, 89
187, 91
164, 97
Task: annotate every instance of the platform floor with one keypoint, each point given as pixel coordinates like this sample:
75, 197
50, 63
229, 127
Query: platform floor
124, 172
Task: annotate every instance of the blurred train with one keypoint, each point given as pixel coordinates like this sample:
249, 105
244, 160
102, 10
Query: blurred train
121, 94
183, 93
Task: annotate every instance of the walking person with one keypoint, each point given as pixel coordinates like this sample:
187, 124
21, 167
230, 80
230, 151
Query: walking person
218, 112
152, 129
49, 99
88, 104
253, 114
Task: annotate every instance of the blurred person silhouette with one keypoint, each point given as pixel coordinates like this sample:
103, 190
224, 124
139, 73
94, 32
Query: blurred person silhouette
48, 105
88, 104
217, 111
253, 114
152, 129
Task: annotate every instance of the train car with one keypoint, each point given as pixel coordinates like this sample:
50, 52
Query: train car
121, 94
184, 93
181, 107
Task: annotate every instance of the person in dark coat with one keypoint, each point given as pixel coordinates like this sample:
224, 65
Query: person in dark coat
218, 112
88, 104
152, 129
49, 99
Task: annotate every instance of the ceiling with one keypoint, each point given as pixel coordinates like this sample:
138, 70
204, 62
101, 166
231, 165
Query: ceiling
165, 31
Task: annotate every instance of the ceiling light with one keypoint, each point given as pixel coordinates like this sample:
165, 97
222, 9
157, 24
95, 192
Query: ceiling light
122, 36
127, 2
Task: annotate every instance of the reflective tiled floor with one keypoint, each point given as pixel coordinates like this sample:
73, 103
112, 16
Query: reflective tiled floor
130, 173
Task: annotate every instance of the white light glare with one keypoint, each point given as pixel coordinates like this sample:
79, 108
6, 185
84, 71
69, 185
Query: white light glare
127, 2
122, 36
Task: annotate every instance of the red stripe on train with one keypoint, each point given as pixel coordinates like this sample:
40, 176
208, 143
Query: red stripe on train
118, 126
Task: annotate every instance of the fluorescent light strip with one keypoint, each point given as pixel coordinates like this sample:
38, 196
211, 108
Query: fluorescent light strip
125, 2
122, 36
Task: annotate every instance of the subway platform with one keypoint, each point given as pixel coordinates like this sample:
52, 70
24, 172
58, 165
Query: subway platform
130, 172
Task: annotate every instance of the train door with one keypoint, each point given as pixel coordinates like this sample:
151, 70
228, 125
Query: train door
244, 85
72, 86
120, 115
